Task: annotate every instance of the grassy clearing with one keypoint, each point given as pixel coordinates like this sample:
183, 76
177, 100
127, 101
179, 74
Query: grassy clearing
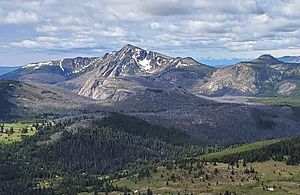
269, 175
277, 101
265, 178
6, 137
239, 149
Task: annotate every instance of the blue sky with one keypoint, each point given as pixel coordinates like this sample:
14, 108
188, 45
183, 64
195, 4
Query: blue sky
32, 30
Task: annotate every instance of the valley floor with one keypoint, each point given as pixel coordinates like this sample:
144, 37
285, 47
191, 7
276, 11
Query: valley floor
232, 99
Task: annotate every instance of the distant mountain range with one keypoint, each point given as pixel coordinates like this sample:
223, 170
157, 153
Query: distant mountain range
264, 76
5, 70
120, 74
290, 59
222, 62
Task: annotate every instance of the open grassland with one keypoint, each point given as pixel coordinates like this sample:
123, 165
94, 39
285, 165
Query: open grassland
13, 132
239, 149
277, 101
266, 178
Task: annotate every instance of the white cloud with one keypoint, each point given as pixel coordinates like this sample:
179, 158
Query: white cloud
190, 26
241, 46
26, 44
166, 7
47, 29
19, 17
154, 25
229, 7
70, 20
52, 43
195, 26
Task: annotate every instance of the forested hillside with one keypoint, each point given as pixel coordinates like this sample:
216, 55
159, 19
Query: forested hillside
70, 156
286, 150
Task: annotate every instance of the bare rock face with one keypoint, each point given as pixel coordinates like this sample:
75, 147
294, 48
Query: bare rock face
110, 89
131, 60
286, 88
119, 75
264, 76
235, 80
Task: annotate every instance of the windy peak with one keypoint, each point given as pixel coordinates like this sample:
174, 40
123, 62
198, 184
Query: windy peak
267, 58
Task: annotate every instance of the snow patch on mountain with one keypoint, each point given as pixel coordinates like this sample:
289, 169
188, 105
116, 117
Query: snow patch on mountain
145, 64
68, 66
37, 65
61, 65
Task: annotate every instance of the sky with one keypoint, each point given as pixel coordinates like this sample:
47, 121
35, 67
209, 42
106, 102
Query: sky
32, 30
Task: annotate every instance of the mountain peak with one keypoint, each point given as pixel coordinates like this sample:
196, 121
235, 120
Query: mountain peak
130, 47
267, 58
133, 60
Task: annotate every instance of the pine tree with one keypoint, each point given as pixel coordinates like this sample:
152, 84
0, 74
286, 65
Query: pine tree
11, 130
149, 192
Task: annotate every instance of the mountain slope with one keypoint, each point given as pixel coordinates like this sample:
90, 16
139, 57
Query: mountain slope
156, 100
84, 151
280, 150
132, 60
130, 70
183, 72
5, 70
21, 100
51, 72
264, 76
226, 124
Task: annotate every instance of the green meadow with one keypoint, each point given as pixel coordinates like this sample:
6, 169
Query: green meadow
14, 132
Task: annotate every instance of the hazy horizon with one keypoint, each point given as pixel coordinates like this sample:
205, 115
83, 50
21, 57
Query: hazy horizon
204, 60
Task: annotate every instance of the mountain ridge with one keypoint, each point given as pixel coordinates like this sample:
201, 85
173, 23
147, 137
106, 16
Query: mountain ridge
119, 74
50, 72
264, 76
21, 100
